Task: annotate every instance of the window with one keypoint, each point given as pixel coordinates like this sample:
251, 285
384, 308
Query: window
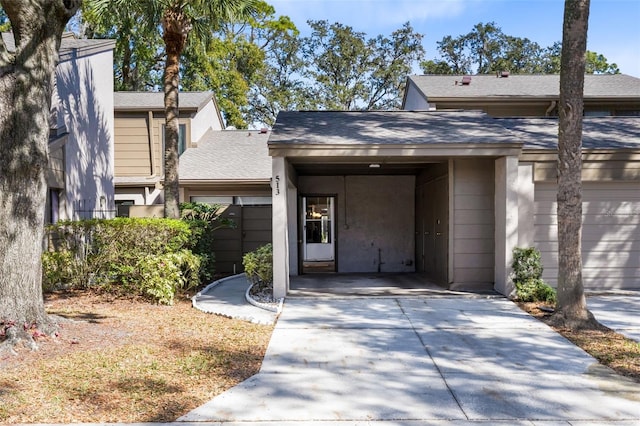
253, 201
123, 206
53, 208
182, 139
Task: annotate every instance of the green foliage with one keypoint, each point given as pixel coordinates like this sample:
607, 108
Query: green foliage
486, 49
138, 53
145, 257
160, 277
352, 72
5, 24
527, 276
60, 270
535, 290
258, 265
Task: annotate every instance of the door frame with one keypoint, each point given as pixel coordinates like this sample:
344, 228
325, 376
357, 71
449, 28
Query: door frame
302, 231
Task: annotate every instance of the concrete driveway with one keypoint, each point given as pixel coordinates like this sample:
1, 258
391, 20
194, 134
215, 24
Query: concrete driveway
620, 312
422, 360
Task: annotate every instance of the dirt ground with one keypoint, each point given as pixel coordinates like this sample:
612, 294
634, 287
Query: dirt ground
124, 360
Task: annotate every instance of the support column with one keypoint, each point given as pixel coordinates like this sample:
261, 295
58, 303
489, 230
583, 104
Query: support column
506, 221
526, 206
279, 183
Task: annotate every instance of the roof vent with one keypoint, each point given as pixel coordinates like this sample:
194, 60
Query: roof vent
502, 74
264, 130
466, 80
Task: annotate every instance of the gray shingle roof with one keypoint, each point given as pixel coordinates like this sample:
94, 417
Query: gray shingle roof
528, 86
68, 44
148, 101
227, 155
387, 127
597, 132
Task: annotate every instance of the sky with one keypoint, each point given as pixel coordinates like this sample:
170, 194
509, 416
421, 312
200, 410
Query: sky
614, 25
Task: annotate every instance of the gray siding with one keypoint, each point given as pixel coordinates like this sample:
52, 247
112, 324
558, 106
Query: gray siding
473, 221
610, 234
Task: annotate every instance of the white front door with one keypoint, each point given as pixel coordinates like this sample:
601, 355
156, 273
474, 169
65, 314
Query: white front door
319, 227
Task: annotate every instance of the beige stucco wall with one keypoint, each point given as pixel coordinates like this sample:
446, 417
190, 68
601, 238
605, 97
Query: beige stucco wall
83, 105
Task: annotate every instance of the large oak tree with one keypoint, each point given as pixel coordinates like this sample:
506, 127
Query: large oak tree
26, 84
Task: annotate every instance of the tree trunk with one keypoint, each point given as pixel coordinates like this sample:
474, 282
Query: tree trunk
571, 308
176, 27
26, 78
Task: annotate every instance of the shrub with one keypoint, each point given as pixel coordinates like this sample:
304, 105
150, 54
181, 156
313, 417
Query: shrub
535, 290
160, 277
146, 257
527, 276
258, 265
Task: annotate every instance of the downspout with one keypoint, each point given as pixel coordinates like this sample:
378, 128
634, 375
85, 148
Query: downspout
152, 157
551, 108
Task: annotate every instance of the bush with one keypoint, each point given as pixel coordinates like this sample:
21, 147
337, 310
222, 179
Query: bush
146, 257
527, 277
258, 265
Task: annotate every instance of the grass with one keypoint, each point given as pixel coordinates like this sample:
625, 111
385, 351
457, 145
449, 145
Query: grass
127, 361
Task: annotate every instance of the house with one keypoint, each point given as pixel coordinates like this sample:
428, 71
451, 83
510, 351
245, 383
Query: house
139, 142
232, 168
81, 156
449, 192
505, 95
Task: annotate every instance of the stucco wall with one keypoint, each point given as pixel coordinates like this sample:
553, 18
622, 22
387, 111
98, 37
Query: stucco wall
204, 119
414, 100
85, 106
375, 220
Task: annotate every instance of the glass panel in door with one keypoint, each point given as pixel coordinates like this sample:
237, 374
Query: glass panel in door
319, 241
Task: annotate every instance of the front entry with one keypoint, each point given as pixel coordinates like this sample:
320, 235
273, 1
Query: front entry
318, 245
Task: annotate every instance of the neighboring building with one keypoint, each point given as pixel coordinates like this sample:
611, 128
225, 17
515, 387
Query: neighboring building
450, 193
520, 95
232, 168
610, 191
139, 141
80, 176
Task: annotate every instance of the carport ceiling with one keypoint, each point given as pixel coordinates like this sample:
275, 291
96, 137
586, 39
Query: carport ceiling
360, 166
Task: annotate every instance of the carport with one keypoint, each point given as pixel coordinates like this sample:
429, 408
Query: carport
432, 193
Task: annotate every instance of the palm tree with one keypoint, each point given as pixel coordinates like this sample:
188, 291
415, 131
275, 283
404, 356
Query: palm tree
572, 307
176, 19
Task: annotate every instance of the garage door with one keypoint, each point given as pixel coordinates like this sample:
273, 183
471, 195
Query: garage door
610, 234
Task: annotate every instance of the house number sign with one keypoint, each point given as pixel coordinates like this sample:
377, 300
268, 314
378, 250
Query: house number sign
277, 184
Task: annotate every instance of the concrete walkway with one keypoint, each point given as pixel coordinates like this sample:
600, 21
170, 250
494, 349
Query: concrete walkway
415, 361
620, 312
227, 297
